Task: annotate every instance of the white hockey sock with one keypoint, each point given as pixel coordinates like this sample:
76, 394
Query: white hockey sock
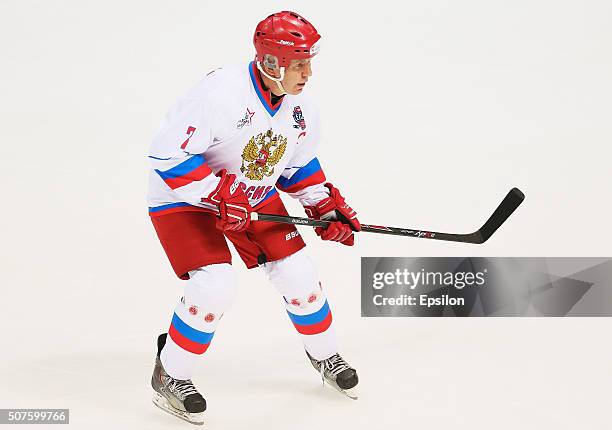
295, 277
208, 294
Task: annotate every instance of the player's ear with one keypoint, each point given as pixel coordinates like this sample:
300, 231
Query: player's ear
272, 72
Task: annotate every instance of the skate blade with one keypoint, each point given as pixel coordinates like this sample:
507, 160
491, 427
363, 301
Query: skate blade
350, 393
161, 402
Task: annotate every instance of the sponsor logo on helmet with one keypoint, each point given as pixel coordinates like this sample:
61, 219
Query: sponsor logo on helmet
313, 297
298, 117
209, 318
193, 310
314, 49
286, 42
295, 302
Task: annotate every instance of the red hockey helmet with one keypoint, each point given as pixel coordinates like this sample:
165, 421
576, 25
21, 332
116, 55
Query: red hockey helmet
287, 36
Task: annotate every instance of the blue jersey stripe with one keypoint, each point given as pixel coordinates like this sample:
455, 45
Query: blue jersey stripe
302, 173
182, 169
268, 195
168, 206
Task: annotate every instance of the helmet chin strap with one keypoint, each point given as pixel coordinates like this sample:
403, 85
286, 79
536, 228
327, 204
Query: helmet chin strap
277, 80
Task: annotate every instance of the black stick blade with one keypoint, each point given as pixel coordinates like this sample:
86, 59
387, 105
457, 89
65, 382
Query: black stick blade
513, 200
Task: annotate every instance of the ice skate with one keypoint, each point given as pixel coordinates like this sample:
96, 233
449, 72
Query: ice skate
177, 397
337, 373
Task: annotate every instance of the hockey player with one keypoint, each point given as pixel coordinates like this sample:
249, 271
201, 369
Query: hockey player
223, 151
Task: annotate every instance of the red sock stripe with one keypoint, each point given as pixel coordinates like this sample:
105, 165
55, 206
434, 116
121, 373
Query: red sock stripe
317, 328
186, 344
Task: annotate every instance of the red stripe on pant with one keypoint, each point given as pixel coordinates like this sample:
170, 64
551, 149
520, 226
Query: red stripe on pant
186, 344
317, 328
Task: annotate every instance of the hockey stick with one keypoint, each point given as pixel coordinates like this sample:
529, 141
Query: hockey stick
508, 205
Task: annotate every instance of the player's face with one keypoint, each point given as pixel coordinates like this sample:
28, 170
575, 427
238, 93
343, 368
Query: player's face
296, 76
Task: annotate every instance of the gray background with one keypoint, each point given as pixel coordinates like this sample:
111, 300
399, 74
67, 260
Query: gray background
431, 111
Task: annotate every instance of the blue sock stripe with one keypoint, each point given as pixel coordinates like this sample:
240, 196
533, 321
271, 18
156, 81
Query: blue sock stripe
309, 319
190, 332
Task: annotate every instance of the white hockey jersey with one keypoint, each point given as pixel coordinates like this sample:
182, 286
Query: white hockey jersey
227, 121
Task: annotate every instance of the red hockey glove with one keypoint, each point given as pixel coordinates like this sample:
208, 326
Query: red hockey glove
335, 208
233, 205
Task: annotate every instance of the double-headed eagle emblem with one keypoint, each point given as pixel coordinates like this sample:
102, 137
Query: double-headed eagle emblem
261, 153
